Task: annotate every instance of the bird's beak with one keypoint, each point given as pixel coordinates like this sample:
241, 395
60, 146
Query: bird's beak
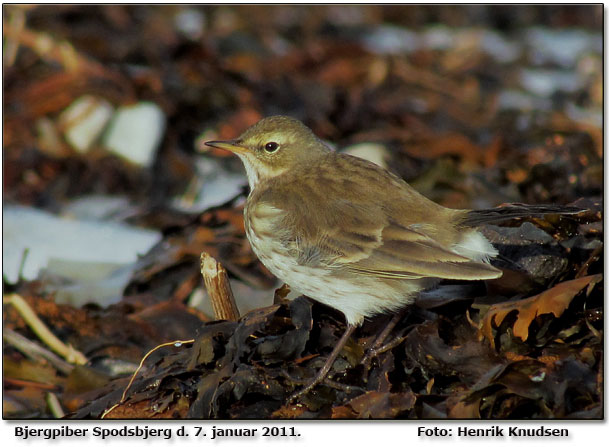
229, 145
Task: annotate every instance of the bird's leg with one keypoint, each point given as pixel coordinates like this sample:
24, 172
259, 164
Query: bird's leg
324, 370
376, 349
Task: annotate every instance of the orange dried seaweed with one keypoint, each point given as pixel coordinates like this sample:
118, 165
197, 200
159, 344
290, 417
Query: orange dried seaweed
554, 301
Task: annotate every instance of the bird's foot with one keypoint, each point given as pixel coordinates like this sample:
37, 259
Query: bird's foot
312, 384
375, 352
323, 372
377, 347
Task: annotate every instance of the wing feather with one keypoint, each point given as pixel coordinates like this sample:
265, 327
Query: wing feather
365, 234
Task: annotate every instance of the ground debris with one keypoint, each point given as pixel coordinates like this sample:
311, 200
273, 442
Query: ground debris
475, 106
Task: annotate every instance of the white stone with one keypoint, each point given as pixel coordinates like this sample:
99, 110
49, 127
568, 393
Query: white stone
136, 132
78, 249
78, 283
562, 46
190, 22
97, 207
84, 120
546, 82
213, 186
390, 39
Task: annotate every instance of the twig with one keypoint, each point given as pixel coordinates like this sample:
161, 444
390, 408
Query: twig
28, 383
176, 343
218, 289
55, 406
66, 351
34, 350
47, 47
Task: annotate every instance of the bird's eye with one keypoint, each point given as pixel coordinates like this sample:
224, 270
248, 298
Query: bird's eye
271, 147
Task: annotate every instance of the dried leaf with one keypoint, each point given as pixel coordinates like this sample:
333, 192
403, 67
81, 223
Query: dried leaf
375, 405
458, 408
554, 300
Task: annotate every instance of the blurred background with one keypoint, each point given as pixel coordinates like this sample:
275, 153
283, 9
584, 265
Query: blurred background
109, 198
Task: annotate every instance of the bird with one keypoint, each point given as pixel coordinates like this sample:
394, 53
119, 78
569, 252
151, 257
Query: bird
349, 233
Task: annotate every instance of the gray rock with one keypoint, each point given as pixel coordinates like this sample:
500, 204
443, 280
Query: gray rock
527, 249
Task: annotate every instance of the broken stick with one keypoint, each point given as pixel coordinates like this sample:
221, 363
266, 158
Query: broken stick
218, 289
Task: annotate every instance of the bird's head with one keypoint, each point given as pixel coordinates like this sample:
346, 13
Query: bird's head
273, 146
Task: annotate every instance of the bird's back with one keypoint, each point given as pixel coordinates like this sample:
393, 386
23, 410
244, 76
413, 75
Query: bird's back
333, 236
363, 192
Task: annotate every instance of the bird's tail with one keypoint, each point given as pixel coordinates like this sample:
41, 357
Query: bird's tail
475, 218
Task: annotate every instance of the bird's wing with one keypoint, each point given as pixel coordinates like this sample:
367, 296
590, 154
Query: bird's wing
407, 253
345, 234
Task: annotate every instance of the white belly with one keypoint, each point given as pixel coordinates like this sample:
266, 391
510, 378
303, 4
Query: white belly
355, 296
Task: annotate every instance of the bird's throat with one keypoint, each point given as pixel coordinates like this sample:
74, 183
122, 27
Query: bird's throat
253, 176
257, 171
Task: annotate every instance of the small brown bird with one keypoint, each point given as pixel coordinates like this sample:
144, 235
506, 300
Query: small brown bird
348, 233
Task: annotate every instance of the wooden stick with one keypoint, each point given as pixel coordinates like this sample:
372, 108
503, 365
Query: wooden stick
218, 289
35, 351
55, 406
69, 353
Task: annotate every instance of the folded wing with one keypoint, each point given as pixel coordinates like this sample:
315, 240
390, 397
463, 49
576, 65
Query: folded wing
345, 235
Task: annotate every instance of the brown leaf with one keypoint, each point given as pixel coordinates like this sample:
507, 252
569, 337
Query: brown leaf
289, 412
554, 300
375, 405
458, 408
144, 410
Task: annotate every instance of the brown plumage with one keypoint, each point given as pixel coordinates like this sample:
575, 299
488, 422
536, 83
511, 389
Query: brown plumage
364, 221
347, 232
